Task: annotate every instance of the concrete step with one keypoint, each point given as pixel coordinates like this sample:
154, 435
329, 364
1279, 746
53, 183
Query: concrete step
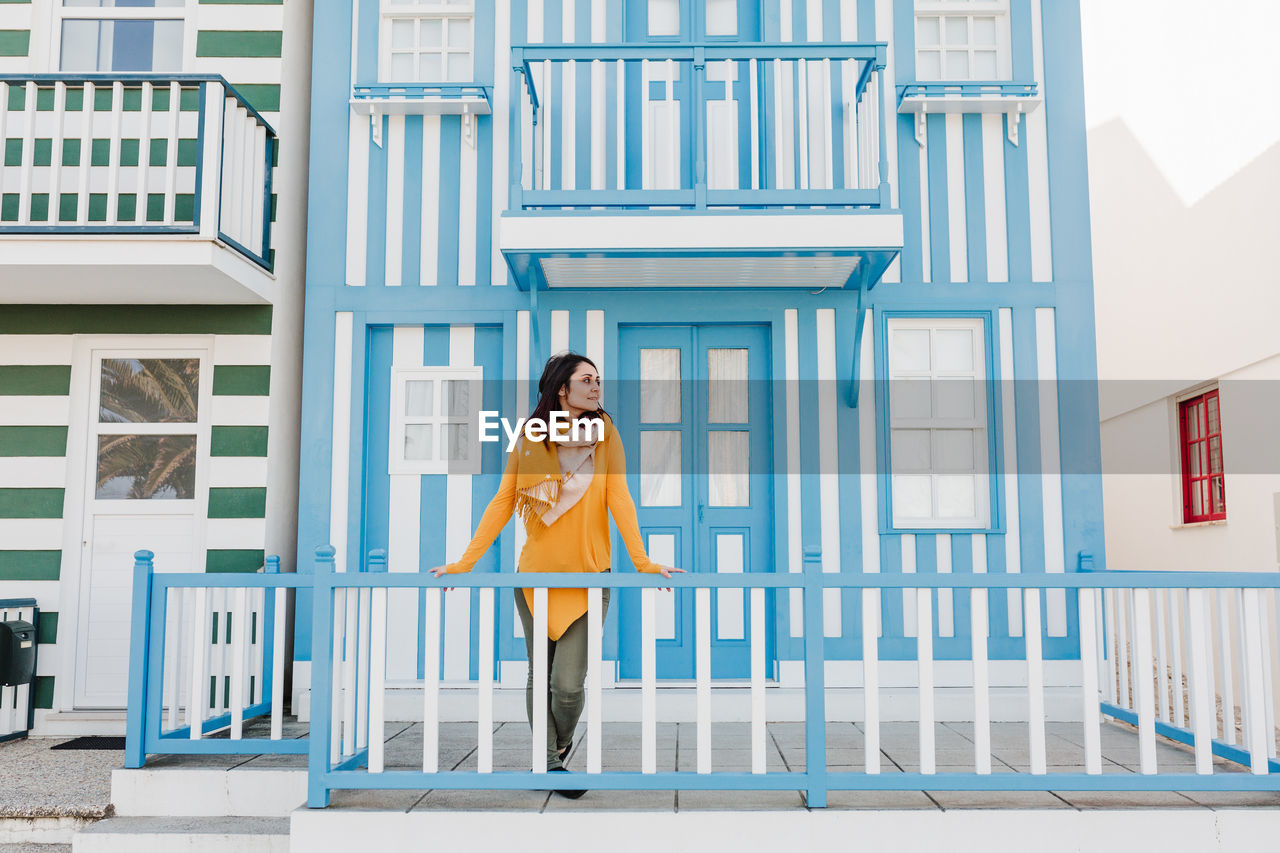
208, 792
16, 831
188, 834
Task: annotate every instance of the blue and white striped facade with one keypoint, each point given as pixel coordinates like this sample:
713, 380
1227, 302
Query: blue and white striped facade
405, 268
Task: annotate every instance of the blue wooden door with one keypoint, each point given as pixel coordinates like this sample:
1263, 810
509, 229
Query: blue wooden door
694, 411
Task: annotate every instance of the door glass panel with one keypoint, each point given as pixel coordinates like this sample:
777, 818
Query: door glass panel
953, 349
910, 350
722, 17
146, 467
664, 17
910, 398
912, 496
911, 450
727, 386
957, 497
953, 450
418, 398
457, 397
660, 386
149, 390
457, 447
955, 398
660, 468
417, 441
728, 461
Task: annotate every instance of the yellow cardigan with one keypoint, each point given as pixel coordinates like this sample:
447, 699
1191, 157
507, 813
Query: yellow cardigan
578, 541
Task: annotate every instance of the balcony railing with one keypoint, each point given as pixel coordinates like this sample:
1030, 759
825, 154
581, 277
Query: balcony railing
136, 154
699, 126
1158, 649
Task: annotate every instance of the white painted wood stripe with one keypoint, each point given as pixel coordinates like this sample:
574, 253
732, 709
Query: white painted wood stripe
484, 723
522, 406
648, 682
910, 625
241, 350
33, 472
1144, 681
55, 149
1225, 667
1051, 467
28, 155
341, 449
358, 130
828, 476
1036, 140
595, 652
1256, 735
377, 677
868, 485
535, 21
1163, 700
753, 73
31, 534
1203, 713
360, 721
238, 410
620, 129
946, 600
428, 259
278, 663
235, 471
235, 532
395, 200
559, 339
36, 349
498, 124
758, 718
86, 144
568, 122
468, 167
350, 667
170, 162
595, 339
889, 104
540, 667
791, 366
995, 220
702, 662
801, 70
978, 639
431, 681
1090, 715
199, 643
239, 655
871, 679
925, 259
1035, 682
21, 410
404, 540
336, 674
957, 230
458, 494
924, 659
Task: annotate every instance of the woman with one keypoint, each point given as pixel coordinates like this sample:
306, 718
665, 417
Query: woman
564, 491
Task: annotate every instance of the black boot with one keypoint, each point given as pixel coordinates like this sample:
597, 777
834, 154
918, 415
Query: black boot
571, 793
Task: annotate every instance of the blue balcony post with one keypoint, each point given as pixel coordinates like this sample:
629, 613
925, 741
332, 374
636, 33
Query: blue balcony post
700, 129
267, 631
886, 198
321, 678
378, 560
815, 686
135, 750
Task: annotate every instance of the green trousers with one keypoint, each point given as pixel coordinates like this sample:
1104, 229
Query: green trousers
566, 675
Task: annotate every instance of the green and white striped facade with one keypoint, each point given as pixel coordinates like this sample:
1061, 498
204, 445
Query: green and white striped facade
245, 499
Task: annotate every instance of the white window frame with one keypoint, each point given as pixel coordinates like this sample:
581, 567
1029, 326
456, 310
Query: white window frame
397, 463
57, 13
446, 11
998, 9
980, 424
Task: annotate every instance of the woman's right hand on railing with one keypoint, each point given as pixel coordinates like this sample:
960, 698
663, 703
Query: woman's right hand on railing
443, 570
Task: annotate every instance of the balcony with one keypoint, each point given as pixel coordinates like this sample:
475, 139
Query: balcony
134, 188
699, 165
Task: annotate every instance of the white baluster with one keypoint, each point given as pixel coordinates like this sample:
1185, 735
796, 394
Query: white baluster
1255, 714
1268, 695
1142, 677
702, 661
360, 721
431, 682
1123, 620
1176, 640
979, 632
1163, 703
277, 666
28, 153
1035, 680
1202, 699
754, 108
199, 650
239, 650
338, 672
828, 123
1111, 645
539, 679
1225, 666
86, 154
172, 656
484, 723
1090, 713
648, 682
544, 175
595, 604
171, 153
673, 127
924, 655
378, 676
758, 719
55, 154
871, 678
803, 103
778, 133
620, 119
113, 175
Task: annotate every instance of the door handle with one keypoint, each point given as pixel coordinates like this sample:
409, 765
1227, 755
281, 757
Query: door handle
701, 507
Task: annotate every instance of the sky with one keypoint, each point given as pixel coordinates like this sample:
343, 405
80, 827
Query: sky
1197, 82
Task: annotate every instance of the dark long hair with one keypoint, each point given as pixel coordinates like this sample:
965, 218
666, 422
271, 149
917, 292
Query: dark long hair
555, 375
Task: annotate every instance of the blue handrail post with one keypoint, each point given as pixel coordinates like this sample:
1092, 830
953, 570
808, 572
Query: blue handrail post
267, 632
378, 560
321, 678
135, 750
815, 686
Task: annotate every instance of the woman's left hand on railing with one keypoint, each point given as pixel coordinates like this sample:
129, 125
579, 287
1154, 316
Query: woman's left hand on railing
444, 570
666, 571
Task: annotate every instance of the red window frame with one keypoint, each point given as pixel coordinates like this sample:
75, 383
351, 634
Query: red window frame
1203, 482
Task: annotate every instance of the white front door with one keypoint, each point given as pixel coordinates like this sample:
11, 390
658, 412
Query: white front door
145, 487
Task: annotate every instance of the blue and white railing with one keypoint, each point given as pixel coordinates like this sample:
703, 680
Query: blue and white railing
17, 708
699, 126
349, 688
137, 154
207, 656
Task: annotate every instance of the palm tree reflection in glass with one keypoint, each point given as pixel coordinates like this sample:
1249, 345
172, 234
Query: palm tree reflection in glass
153, 465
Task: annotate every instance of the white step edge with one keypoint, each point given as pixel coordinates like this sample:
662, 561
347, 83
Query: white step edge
41, 830
188, 834
208, 792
